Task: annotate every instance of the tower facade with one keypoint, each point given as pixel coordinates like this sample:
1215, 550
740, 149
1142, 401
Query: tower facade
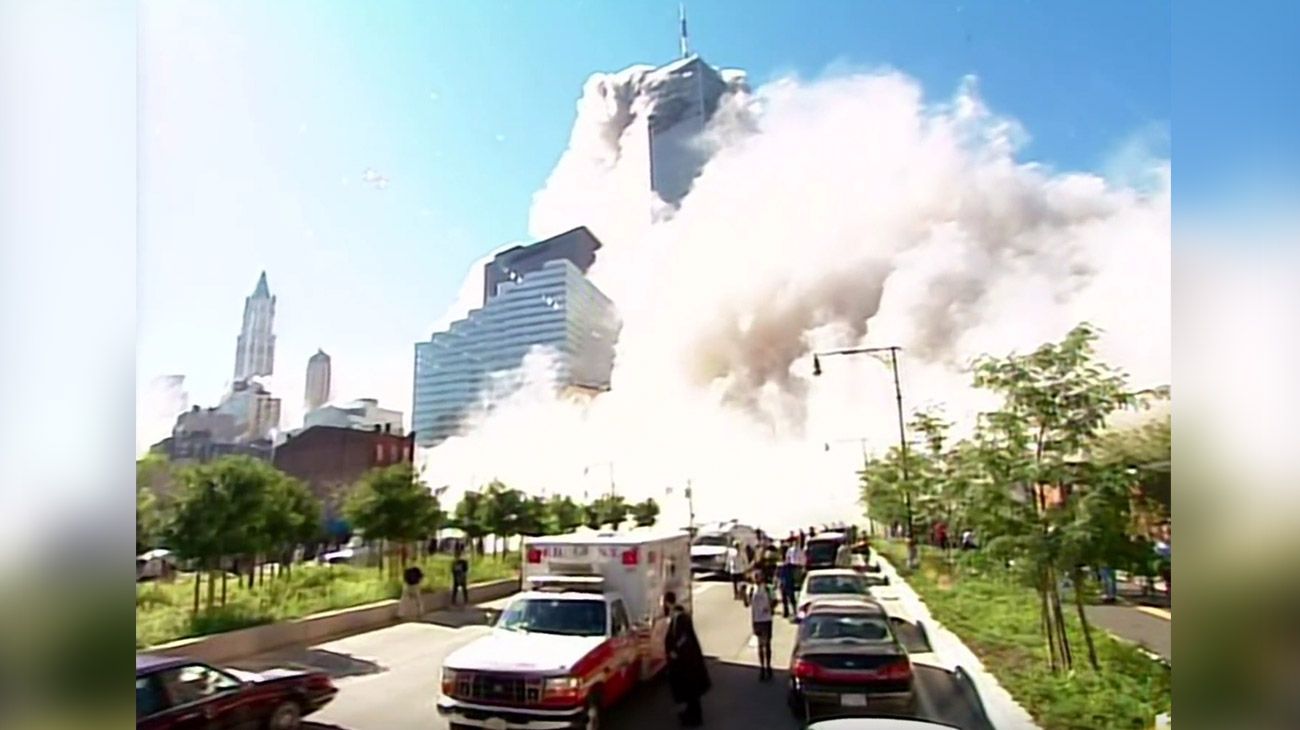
318, 381
255, 348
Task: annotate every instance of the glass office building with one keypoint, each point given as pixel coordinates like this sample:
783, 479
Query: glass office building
553, 306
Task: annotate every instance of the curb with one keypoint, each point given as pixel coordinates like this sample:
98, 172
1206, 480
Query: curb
1002, 710
317, 628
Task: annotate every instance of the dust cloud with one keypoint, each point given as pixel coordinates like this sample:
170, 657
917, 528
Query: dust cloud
831, 213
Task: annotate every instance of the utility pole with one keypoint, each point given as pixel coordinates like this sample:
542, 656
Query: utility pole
893, 351
690, 505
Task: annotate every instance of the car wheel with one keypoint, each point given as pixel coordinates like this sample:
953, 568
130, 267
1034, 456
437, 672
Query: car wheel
285, 716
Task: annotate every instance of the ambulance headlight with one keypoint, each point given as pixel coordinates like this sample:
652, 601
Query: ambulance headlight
449, 679
562, 689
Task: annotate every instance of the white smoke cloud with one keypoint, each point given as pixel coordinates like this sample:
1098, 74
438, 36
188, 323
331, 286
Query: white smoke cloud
164, 399
832, 213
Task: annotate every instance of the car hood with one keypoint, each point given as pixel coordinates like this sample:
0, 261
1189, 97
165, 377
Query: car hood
708, 551
517, 651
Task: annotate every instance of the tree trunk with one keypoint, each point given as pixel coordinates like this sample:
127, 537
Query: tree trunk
379, 551
198, 579
1046, 613
1083, 620
212, 587
223, 582
252, 571
1067, 657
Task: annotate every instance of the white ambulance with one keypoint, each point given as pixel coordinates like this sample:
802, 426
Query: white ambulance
587, 628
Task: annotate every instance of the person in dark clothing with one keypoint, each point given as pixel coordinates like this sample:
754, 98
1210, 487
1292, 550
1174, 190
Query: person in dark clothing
688, 676
459, 577
789, 574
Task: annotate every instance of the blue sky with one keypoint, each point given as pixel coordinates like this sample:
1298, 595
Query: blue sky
258, 119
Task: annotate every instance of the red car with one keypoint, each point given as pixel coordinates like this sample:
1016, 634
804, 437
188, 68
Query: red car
183, 694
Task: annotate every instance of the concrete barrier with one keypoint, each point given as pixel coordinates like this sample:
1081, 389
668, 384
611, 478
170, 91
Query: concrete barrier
316, 628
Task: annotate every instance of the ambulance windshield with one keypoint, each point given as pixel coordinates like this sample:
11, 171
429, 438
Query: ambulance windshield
555, 616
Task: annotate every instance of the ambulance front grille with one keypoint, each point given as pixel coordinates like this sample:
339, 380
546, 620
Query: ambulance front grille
502, 689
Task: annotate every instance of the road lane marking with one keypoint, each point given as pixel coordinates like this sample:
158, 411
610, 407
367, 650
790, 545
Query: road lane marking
1157, 612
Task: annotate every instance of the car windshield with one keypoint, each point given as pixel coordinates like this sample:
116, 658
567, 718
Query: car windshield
551, 616
713, 540
822, 551
826, 584
851, 627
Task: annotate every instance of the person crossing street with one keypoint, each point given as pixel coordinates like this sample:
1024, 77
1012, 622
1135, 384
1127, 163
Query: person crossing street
760, 610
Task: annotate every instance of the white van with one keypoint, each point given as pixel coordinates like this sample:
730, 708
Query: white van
713, 549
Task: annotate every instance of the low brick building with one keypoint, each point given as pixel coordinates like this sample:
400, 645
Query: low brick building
330, 459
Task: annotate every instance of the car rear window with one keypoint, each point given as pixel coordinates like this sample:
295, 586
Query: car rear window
828, 584
858, 627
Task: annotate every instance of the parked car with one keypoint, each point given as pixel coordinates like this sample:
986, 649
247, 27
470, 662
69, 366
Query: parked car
823, 551
157, 564
182, 694
836, 583
848, 661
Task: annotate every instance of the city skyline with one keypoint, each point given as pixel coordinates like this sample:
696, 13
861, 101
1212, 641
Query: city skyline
339, 186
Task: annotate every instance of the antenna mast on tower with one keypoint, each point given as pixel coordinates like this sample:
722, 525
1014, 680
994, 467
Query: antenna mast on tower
681, 14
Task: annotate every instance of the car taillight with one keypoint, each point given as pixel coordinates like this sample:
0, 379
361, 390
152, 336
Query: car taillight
899, 670
534, 556
804, 669
631, 557
319, 681
562, 690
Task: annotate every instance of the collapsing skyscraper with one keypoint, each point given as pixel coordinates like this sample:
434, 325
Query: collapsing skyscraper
534, 297
687, 93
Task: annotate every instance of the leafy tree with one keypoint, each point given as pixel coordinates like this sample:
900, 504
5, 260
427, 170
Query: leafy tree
391, 504
470, 519
610, 509
646, 513
563, 515
1055, 403
148, 519
219, 513
532, 517
503, 509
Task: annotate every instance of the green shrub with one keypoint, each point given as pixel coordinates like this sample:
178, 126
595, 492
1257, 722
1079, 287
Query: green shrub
998, 619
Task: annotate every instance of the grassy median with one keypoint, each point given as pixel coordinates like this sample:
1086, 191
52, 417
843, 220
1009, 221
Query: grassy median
163, 611
999, 620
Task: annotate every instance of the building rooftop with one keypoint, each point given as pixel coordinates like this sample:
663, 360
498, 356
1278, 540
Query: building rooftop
262, 291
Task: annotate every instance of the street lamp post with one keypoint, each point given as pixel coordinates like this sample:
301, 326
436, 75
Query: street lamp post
893, 351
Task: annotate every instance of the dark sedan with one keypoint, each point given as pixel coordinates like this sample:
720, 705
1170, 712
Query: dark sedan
183, 694
847, 661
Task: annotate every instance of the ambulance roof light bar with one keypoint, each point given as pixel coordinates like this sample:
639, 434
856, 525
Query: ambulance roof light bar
567, 583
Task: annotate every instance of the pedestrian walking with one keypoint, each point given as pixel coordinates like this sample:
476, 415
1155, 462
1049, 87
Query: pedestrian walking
460, 576
412, 577
688, 676
760, 611
736, 569
786, 582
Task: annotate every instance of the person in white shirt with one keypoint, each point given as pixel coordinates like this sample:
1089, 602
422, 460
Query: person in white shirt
760, 611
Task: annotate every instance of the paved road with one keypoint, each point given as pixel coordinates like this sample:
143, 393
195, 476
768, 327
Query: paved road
388, 678
1151, 628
